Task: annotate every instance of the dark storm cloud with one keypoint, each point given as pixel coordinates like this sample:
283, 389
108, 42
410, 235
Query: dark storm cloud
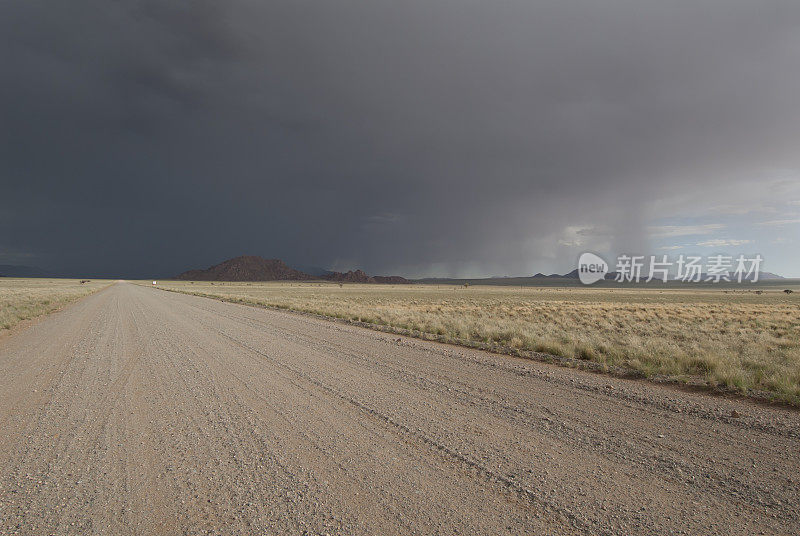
421, 137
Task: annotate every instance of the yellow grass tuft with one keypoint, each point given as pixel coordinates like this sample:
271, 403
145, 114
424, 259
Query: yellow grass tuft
23, 299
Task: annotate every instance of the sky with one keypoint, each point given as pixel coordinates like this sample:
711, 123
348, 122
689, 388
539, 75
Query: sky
421, 138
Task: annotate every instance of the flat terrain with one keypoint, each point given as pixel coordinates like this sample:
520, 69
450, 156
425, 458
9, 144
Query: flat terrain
140, 411
26, 298
736, 340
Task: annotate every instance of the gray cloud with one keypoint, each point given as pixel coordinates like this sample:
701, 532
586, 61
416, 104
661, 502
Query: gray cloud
420, 137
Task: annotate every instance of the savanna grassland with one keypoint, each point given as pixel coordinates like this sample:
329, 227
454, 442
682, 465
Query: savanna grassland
738, 340
23, 299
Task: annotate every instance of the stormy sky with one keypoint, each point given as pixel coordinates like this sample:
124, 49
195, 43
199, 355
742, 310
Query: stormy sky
422, 137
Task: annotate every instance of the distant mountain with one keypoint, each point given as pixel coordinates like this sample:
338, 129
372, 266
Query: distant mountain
247, 268
12, 270
353, 276
253, 268
613, 275
390, 279
358, 276
571, 275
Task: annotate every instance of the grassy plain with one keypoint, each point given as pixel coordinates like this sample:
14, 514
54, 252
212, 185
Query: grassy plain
23, 299
739, 340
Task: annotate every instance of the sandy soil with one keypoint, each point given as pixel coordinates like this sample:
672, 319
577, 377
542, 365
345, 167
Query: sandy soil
139, 411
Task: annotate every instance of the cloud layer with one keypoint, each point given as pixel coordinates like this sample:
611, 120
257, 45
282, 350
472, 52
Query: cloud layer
426, 138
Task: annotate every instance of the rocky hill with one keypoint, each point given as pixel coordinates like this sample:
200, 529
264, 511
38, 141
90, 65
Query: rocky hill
391, 280
353, 276
252, 268
358, 276
247, 268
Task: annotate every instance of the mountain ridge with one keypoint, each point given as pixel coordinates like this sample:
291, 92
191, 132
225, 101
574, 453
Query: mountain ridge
254, 268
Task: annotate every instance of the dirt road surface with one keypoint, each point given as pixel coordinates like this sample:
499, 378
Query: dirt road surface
139, 411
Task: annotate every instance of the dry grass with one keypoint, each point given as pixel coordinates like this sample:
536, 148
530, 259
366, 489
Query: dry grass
737, 340
22, 299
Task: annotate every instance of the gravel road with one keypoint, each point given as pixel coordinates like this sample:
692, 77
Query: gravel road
140, 411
